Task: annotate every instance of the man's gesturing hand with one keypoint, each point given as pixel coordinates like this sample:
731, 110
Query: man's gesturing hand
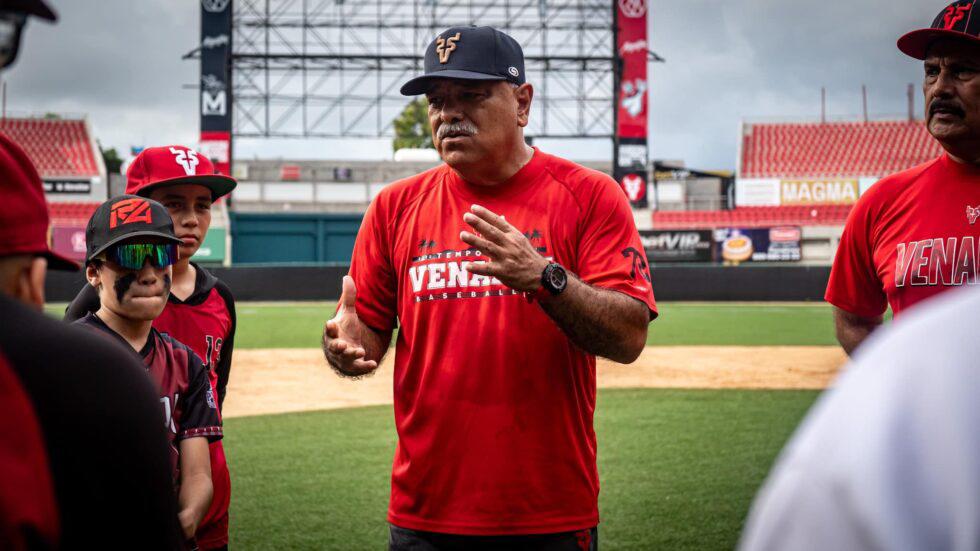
513, 260
343, 337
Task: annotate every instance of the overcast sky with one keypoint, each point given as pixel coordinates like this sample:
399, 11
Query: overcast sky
726, 61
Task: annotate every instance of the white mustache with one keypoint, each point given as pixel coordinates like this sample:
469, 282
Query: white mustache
463, 127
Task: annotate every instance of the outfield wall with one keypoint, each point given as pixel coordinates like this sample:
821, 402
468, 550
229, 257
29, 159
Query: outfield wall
755, 282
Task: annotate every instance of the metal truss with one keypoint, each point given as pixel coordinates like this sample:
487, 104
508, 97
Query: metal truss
332, 68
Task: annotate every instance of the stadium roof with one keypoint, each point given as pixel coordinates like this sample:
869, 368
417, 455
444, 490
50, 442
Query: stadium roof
833, 149
60, 148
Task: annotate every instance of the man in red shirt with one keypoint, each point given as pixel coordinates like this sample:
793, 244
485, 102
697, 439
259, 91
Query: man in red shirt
131, 247
508, 270
915, 234
200, 310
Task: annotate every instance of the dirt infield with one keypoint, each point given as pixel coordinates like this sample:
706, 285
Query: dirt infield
288, 380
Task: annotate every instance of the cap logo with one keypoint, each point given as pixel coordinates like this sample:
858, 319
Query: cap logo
972, 213
130, 211
445, 47
513, 72
186, 158
955, 14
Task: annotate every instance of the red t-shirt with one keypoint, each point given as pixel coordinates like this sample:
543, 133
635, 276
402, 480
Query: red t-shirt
205, 322
493, 403
911, 236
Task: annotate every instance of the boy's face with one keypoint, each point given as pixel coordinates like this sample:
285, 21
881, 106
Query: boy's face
138, 295
190, 207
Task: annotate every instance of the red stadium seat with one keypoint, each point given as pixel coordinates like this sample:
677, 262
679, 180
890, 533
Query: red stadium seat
753, 217
68, 214
834, 150
60, 148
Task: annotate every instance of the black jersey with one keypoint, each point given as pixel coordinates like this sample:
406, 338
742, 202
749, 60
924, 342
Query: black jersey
205, 322
190, 408
100, 419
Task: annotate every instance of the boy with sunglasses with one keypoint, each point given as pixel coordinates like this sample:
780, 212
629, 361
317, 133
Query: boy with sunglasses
131, 249
201, 309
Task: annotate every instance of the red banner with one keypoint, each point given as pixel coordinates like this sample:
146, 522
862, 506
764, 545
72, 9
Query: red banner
217, 147
69, 241
631, 17
635, 186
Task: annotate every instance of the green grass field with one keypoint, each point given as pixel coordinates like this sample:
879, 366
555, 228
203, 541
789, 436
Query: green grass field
678, 468
299, 325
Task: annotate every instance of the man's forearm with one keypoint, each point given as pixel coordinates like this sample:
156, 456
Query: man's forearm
196, 493
852, 330
601, 322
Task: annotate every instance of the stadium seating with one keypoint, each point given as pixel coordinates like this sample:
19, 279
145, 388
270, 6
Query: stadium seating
752, 217
71, 214
837, 149
60, 148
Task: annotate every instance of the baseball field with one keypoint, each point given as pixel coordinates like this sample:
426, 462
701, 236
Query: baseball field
686, 434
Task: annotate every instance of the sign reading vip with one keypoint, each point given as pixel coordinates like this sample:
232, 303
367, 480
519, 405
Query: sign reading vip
677, 245
216, 82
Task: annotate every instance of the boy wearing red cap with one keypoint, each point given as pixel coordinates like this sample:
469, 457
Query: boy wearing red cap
201, 309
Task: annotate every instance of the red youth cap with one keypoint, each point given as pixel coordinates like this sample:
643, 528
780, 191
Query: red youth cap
24, 222
955, 21
173, 165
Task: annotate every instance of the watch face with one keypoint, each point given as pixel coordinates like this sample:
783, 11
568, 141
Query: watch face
557, 277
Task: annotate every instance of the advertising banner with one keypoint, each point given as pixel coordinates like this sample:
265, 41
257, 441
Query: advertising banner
757, 192
635, 186
631, 44
216, 81
677, 245
736, 245
82, 187
213, 247
812, 192
217, 147
772, 192
69, 241
631, 154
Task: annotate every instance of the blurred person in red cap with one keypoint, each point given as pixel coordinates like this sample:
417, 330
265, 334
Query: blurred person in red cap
201, 309
94, 407
915, 234
80, 431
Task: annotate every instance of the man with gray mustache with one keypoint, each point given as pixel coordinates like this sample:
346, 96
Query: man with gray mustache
508, 271
915, 234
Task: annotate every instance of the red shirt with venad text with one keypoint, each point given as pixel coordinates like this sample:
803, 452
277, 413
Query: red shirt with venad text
493, 403
911, 236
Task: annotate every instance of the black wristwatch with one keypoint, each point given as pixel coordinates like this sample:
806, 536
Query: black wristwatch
554, 279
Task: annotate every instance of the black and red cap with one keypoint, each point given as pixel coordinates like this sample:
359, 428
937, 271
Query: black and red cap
37, 8
172, 165
959, 20
25, 227
469, 53
124, 217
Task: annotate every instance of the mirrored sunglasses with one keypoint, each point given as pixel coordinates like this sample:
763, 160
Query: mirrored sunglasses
133, 256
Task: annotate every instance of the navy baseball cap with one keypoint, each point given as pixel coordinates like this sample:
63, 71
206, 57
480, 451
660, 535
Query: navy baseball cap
469, 53
955, 21
123, 217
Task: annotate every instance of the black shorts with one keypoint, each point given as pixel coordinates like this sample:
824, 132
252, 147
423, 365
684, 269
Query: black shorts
403, 539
